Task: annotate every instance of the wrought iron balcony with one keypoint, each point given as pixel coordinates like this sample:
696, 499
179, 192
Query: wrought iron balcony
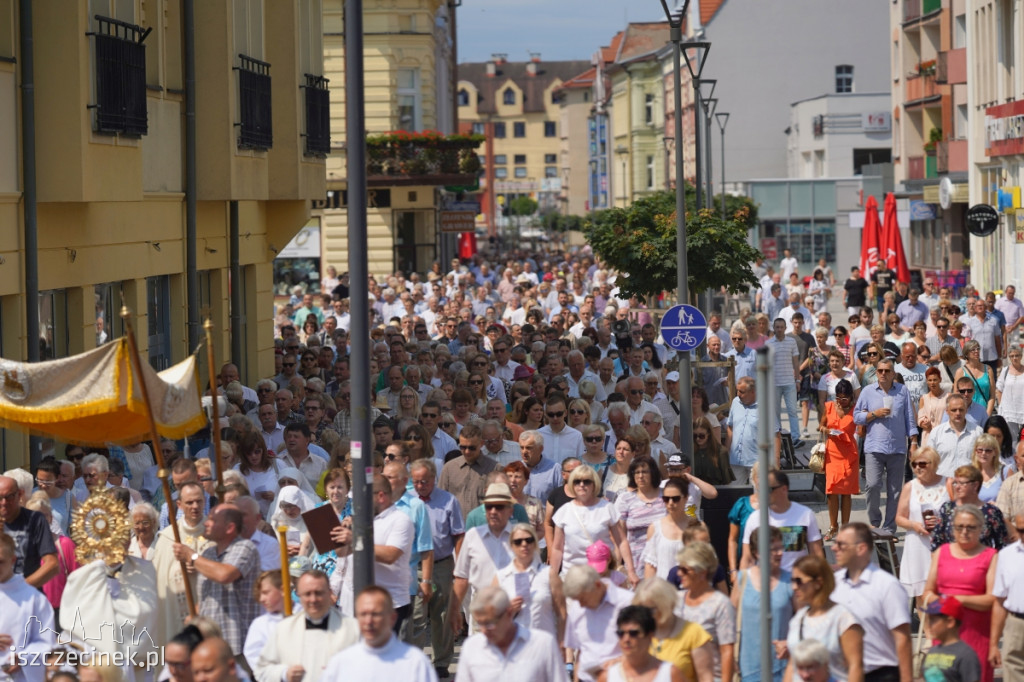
318, 116
422, 158
120, 78
256, 129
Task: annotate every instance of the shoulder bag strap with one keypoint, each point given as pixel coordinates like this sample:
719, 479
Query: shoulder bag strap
576, 513
976, 384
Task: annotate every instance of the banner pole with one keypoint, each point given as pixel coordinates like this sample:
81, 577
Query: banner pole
219, 464
161, 468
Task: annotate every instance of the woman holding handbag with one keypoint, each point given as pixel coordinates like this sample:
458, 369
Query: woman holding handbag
841, 458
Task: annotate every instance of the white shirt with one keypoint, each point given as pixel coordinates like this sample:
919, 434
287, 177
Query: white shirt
954, 449
799, 528
787, 315
394, 529
537, 612
879, 602
509, 453
396, 660
533, 655
273, 440
483, 554
583, 526
574, 386
506, 372
592, 631
1008, 584
269, 549
560, 446
788, 266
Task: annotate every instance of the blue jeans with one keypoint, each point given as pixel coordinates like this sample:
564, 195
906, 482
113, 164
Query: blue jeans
875, 465
792, 408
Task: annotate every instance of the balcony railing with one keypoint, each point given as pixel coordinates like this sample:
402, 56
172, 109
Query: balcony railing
256, 129
120, 78
422, 158
920, 87
911, 9
318, 116
951, 156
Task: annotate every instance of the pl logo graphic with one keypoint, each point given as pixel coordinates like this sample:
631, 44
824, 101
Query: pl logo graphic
133, 648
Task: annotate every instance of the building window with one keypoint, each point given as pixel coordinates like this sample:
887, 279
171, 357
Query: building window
520, 159
256, 129
479, 129
501, 173
409, 109
120, 78
551, 158
519, 129
158, 309
550, 172
509, 96
318, 116
648, 109
500, 159
499, 129
550, 129
650, 172
53, 325
520, 172
844, 78
463, 98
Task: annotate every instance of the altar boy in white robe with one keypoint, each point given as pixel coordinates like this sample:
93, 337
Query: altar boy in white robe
26, 621
302, 644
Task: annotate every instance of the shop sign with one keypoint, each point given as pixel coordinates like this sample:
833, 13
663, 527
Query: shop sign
1004, 129
982, 220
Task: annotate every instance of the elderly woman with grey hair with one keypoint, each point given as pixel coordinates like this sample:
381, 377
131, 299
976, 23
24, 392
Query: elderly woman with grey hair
145, 524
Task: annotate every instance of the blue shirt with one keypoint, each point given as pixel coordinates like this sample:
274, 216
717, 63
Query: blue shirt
544, 478
744, 361
910, 313
743, 420
413, 507
886, 435
446, 522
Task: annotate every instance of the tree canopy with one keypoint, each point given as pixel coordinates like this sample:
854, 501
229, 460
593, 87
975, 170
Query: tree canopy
640, 242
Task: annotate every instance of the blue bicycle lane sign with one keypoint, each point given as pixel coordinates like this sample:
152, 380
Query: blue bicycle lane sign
683, 327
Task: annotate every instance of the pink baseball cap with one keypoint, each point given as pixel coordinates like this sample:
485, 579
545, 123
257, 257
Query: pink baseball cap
598, 556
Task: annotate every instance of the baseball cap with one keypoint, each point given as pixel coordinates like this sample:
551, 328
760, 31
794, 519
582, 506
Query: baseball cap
947, 606
672, 376
678, 460
598, 555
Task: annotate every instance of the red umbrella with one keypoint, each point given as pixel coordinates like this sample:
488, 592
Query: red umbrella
892, 241
870, 239
467, 245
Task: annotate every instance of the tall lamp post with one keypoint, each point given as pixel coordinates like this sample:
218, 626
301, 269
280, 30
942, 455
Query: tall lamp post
722, 118
710, 105
695, 66
675, 22
705, 91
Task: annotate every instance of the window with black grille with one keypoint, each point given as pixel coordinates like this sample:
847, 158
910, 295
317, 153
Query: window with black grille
318, 116
256, 129
120, 78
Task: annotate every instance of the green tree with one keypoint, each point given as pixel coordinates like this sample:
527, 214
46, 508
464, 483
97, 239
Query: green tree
522, 206
640, 242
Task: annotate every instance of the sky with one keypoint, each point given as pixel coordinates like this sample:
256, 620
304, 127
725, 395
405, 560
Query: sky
558, 29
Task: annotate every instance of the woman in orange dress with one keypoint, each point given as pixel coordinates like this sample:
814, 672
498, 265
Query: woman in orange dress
841, 460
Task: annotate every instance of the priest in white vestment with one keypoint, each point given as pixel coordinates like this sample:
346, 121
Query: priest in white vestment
301, 645
26, 621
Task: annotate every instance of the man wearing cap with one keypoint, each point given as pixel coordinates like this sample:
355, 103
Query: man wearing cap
878, 600
485, 550
1008, 610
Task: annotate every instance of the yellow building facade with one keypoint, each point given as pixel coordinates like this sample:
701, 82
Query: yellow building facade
516, 105
111, 185
408, 86
637, 114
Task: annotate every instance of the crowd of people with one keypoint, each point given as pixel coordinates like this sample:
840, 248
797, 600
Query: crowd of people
534, 504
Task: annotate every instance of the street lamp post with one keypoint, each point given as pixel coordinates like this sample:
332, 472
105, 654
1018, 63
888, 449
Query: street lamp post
695, 66
705, 90
722, 118
710, 105
675, 22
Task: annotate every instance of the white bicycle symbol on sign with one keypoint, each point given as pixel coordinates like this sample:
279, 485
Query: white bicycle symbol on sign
684, 338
